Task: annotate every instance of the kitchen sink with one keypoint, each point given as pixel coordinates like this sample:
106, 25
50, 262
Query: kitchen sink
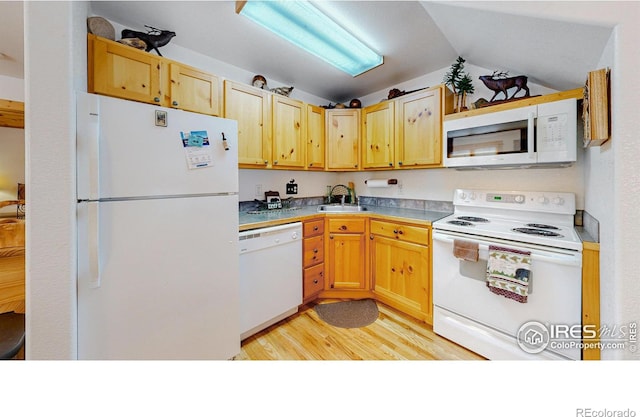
341, 208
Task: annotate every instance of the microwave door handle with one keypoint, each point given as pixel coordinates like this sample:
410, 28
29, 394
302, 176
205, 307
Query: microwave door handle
531, 136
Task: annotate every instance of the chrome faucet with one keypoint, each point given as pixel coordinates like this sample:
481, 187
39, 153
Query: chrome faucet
342, 199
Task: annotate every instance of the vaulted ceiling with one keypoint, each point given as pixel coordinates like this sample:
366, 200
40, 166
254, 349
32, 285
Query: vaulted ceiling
415, 37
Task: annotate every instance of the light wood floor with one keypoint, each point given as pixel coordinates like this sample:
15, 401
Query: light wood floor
393, 336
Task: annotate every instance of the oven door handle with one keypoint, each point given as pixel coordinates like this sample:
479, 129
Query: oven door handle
549, 257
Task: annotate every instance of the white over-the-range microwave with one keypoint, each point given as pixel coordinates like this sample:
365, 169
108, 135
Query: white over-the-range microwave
542, 135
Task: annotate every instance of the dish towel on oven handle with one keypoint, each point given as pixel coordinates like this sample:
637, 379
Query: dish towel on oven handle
509, 272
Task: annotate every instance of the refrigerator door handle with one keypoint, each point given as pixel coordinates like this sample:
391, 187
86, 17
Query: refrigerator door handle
93, 226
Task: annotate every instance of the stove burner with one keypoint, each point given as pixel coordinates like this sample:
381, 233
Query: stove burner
473, 219
542, 226
539, 232
460, 223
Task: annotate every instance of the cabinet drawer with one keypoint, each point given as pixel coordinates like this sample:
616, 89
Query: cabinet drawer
313, 250
403, 232
313, 280
313, 228
346, 225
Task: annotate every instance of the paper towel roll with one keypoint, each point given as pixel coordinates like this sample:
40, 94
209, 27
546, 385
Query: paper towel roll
380, 183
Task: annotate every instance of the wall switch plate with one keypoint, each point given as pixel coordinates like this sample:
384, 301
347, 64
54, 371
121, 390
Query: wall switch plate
292, 187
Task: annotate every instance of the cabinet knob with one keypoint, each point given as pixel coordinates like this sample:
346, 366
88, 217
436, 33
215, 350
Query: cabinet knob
174, 103
275, 162
395, 232
266, 162
156, 99
315, 281
315, 251
343, 227
315, 229
330, 236
390, 164
399, 162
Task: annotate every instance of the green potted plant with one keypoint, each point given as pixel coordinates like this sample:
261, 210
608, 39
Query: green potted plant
460, 82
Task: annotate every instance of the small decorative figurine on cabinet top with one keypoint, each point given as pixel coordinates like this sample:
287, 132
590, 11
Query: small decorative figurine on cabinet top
498, 82
259, 81
154, 38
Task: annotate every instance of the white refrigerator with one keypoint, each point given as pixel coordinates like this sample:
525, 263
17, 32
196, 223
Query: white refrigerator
157, 232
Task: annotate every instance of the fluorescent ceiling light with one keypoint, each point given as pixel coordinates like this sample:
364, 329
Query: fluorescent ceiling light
302, 24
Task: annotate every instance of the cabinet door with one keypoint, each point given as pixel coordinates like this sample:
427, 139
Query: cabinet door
343, 139
250, 107
419, 129
347, 261
122, 71
289, 132
401, 274
315, 137
194, 90
378, 135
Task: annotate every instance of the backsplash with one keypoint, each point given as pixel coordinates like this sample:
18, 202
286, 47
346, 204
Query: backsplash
406, 203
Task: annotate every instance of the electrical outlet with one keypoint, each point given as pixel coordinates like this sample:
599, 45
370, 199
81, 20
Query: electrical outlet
292, 187
259, 191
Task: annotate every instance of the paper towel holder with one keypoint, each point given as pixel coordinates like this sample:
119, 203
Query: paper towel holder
390, 181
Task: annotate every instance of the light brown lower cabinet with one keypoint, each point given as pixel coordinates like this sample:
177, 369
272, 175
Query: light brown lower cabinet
401, 268
346, 249
380, 259
312, 258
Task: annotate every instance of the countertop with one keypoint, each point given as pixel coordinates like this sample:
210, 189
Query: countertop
250, 221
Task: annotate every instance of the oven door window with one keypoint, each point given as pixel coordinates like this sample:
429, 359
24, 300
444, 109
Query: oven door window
498, 139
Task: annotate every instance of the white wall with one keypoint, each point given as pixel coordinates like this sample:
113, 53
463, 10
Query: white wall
11, 88
55, 66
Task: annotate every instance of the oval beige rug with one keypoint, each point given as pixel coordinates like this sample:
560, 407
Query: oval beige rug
348, 314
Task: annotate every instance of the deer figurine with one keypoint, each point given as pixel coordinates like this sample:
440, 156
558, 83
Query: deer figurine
498, 83
154, 38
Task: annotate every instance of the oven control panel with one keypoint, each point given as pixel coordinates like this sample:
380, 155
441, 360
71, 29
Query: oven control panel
552, 202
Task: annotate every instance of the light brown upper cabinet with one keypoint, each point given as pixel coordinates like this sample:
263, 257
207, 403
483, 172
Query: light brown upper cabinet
315, 137
119, 70
122, 71
251, 107
194, 90
418, 141
343, 139
378, 135
289, 132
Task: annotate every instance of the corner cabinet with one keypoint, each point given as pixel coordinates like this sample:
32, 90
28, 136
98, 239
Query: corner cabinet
346, 250
419, 116
401, 268
343, 139
125, 72
251, 108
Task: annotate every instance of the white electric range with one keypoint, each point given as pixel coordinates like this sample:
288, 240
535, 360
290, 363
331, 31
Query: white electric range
536, 225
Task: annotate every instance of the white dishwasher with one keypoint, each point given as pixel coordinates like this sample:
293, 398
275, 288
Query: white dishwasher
270, 276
